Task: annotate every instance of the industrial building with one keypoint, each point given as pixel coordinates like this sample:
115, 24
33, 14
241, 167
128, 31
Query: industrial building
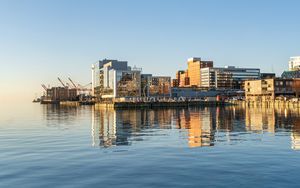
268, 89
57, 94
66, 92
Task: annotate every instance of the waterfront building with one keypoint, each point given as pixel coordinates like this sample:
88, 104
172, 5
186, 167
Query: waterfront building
175, 83
146, 80
294, 68
184, 80
216, 78
228, 77
202, 74
56, 94
178, 75
113, 78
294, 63
160, 86
194, 70
268, 89
180, 80
291, 74
193, 92
126, 83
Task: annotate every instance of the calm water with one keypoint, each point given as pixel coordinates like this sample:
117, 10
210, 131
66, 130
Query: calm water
48, 146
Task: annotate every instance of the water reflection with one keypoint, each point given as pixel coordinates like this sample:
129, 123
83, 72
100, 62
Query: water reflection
194, 127
199, 124
117, 127
260, 119
63, 116
200, 127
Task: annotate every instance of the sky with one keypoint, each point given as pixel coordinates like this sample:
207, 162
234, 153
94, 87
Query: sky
43, 39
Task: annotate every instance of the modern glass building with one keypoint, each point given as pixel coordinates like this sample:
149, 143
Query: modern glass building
228, 77
113, 78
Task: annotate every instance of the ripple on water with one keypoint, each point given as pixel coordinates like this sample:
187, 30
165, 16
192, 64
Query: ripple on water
85, 147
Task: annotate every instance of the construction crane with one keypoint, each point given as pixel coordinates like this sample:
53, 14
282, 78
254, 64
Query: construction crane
45, 88
87, 84
83, 88
61, 82
72, 82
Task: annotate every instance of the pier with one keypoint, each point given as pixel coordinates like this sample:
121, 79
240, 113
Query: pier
164, 104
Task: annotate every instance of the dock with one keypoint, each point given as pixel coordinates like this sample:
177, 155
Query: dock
137, 105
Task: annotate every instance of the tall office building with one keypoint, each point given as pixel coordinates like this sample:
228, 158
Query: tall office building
194, 70
228, 77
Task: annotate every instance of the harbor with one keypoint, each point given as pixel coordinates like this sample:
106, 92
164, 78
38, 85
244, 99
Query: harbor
115, 84
149, 94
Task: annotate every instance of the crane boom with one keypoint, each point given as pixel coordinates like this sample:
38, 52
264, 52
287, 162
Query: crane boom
72, 82
45, 88
61, 82
87, 84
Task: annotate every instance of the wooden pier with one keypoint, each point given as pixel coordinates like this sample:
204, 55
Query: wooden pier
125, 105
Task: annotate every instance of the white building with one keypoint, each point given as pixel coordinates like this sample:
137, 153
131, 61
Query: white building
294, 63
113, 78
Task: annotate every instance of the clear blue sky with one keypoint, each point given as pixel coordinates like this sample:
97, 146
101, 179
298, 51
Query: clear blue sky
40, 40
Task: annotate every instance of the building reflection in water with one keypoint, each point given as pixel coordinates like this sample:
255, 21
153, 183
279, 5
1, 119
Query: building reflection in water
200, 126
63, 116
294, 121
120, 127
260, 119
